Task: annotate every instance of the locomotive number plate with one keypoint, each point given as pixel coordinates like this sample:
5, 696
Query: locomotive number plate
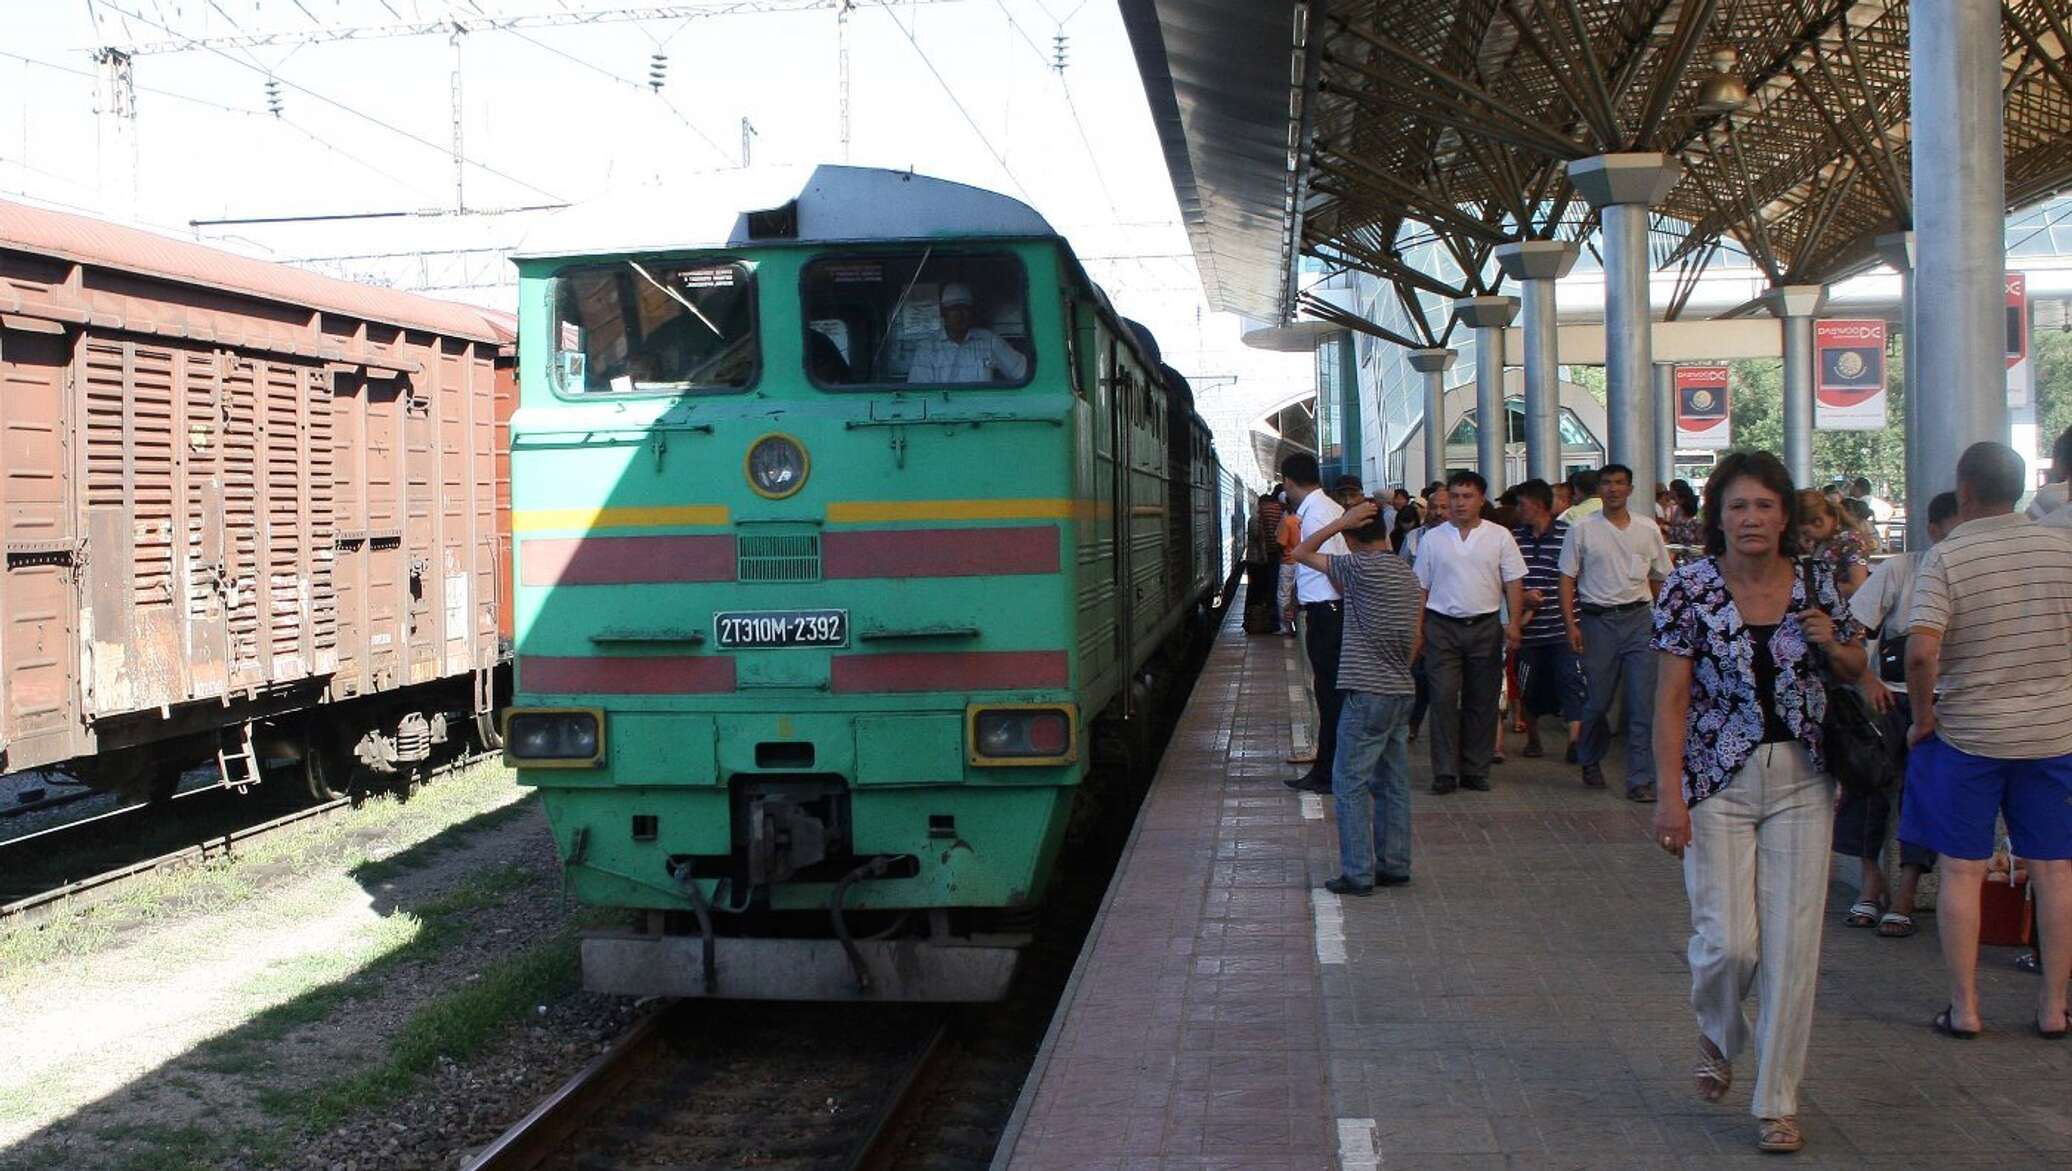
740, 630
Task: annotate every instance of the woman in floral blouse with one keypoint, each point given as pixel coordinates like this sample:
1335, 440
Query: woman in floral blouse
1739, 698
1824, 535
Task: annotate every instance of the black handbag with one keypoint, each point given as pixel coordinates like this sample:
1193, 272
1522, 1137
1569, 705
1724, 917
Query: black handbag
1858, 755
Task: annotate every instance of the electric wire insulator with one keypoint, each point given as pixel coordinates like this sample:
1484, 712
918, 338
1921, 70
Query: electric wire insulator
658, 70
273, 97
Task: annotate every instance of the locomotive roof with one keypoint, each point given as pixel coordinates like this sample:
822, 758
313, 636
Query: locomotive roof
85, 240
834, 205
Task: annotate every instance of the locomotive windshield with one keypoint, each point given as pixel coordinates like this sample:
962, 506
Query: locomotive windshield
926, 317
654, 327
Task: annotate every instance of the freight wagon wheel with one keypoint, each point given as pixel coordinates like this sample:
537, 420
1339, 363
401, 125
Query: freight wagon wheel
326, 775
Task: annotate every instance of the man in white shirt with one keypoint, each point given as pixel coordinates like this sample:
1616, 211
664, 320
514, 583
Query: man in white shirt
2051, 499
1582, 489
1612, 565
1470, 571
1323, 620
965, 353
1881, 509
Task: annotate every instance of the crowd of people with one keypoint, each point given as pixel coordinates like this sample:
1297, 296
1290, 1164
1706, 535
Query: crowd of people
1803, 694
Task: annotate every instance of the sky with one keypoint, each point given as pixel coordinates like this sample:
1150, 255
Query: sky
963, 90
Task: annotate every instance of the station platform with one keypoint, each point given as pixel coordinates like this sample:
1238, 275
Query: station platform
1522, 1004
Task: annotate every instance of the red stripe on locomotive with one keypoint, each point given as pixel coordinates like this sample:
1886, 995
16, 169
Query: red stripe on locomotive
626, 675
939, 552
959, 671
626, 560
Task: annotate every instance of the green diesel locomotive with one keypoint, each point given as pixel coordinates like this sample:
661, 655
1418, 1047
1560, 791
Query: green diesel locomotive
841, 513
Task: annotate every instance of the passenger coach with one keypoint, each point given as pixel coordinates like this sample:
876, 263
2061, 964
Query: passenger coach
841, 515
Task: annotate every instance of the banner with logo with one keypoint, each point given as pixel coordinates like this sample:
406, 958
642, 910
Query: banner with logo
1701, 408
1849, 366
2021, 373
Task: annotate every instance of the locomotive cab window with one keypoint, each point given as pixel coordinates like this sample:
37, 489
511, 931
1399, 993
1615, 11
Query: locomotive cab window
923, 318
654, 327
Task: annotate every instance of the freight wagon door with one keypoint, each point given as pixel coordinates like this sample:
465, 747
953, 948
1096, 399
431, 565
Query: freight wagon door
134, 621
37, 599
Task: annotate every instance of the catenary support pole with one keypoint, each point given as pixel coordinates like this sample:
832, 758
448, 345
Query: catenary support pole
1622, 187
1796, 306
1536, 265
1433, 364
1960, 247
1488, 316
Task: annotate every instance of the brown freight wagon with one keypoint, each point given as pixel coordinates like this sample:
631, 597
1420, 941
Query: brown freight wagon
246, 510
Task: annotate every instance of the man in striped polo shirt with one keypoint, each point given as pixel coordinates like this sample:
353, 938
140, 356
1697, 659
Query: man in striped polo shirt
1550, 676
1989, 675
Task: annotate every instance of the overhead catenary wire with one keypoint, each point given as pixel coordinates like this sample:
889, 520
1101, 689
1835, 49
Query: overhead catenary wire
221, 107
1071, 107
442, 148
951, 93
636, 86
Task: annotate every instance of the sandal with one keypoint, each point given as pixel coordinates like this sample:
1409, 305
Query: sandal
1778, 1135
1945, 1023
1864, 913
1895, 925
1714, 1073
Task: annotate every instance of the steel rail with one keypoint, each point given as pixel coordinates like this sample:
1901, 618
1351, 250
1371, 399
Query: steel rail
100, 887
547, 1128
877, 1150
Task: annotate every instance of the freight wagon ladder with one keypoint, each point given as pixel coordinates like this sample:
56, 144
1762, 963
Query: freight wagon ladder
237, 758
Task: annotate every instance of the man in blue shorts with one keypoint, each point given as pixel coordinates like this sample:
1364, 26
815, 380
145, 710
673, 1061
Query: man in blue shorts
1989, 675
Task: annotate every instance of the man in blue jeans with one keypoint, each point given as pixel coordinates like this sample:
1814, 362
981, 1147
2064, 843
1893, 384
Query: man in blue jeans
1370, 775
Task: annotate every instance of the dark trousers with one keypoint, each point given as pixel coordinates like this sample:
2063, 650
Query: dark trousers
1260, 580
1465, 663
1325, 624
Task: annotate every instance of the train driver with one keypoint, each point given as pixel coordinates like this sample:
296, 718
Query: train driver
965, 353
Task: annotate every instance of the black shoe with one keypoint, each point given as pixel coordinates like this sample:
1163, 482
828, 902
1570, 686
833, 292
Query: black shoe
1391, 880
1570, 755
1307, 782
1346, 886
1593, 776
1443, 785
1478, 784
1641, 794
1320, 788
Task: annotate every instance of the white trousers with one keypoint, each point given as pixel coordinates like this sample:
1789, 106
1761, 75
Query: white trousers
1756, 874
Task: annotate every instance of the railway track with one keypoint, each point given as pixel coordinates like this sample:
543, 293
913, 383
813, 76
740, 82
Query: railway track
94, 859
712, 1084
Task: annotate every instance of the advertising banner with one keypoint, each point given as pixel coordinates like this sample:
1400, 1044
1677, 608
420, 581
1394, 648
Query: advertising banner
2021, 372
1702, 408
1849, 372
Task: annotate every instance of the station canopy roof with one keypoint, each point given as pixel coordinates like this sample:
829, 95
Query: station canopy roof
1350, 130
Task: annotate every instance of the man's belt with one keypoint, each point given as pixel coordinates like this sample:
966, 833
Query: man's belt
1468, 621
1331, 606
1598, 611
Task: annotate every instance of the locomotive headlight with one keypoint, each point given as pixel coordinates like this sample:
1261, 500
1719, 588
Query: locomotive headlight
554, 738
777, 466
1022, 734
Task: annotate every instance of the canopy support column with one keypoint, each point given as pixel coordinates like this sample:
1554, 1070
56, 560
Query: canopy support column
1898, 250
1960, 249
1433, 364
1488, 316
1797, 306
1665, 424
1536, 265
1623, 187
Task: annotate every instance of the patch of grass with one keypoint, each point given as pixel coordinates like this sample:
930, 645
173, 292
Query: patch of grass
454, 1025
313, 987
170, 1148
